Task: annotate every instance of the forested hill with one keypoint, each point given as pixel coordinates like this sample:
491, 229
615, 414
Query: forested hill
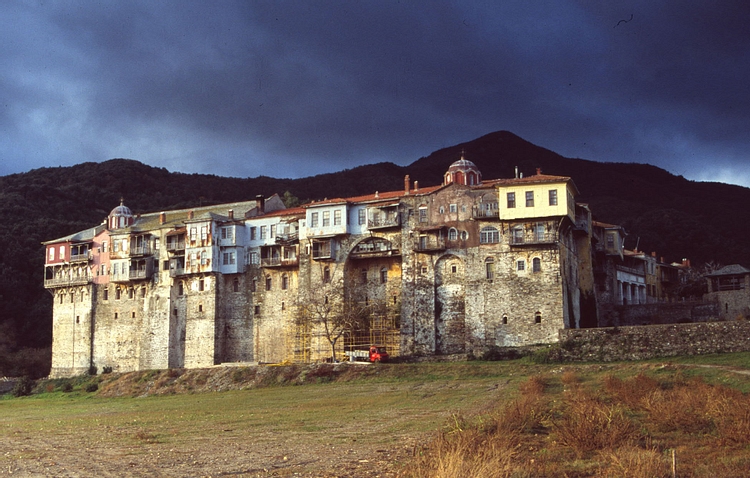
661, 212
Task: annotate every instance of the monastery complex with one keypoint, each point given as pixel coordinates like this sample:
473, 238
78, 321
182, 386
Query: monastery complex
456, 268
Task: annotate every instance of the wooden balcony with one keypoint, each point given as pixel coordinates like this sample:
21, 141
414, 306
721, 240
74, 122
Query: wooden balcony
66, 282
279, 262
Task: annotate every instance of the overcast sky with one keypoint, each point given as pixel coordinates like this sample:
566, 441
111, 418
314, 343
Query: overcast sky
292, 89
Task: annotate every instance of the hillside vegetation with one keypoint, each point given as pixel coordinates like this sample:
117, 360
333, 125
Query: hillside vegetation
668, 214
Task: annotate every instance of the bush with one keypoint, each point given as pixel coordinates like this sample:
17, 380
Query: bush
23, 387
67, 387
106, 369
92, 387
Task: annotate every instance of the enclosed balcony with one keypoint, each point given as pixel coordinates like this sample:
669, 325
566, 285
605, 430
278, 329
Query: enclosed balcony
375, 247
383, 218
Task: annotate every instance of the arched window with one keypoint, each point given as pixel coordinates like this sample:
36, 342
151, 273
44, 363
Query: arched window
236, 285
383, 275
505, 320
284, 282
269, 282
536, 265
489, 235
464, 235
452, 234
327, 274
538, 318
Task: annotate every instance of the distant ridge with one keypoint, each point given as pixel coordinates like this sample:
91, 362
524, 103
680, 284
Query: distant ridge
661, 212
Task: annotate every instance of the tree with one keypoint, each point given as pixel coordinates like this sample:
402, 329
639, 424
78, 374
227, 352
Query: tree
327, 308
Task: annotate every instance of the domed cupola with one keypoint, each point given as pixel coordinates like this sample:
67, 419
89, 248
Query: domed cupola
463, 172
120, 217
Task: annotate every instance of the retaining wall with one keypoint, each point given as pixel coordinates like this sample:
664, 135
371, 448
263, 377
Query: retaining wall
649, 341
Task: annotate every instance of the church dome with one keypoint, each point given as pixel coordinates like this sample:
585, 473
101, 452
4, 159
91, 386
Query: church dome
120, 217
463, 172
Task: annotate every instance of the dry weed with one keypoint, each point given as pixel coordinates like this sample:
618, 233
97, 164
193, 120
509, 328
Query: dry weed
588, 424
631, 392
634, 462
683, 408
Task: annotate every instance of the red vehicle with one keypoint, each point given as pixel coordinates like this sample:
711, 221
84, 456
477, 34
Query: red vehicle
374, 353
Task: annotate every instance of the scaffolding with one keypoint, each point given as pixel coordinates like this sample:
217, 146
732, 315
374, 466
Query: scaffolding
302, 340
381, 330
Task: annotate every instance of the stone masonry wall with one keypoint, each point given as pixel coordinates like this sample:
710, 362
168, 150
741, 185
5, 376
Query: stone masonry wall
649, 341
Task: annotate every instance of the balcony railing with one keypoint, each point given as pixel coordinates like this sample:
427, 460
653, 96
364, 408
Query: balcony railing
546, 238
287, 237
430, 245
67, 281
139, 274
176, 246
383, 222
86, 256
481, 212
177, 271
279, 261
142, 250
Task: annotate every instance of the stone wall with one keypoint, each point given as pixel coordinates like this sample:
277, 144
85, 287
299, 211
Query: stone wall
649, 341
660, 313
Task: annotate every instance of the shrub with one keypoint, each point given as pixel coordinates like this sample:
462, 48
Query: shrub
92, 387
67, 387
93, 370
495, 353
106, 369
23, 387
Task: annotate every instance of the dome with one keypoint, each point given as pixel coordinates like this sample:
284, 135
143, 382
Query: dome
120, 217
463, 172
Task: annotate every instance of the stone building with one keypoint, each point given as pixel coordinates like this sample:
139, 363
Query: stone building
455, 268
730, 288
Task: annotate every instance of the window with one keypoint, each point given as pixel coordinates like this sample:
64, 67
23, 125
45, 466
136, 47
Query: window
521, 265
254, 258
227, 233
104, 246
105, 294
337, 218
441, 210
254, 285
464, 235
283, 306
553, 197
326, 218
118, 292
269, 283
51, 253
452, 208
62, 252
157, 243
529, 198
263, 232
236, 285
204, 233
284, 282
511, 200
204, 258
454, 268
200, 307
103, 270
201, 285
314, 219
363, 275
452, 234
518, 235
193, 234
536, 265
165, 265
505, 320
327, 274
143, 292
538, 318
252, 233
424, 269
383, 275
489, 235
273, 231
361, 216
539, 235
610, 241
489, 268
229, 259
180, 288
257, 310
422, 214
115, 246
116, 314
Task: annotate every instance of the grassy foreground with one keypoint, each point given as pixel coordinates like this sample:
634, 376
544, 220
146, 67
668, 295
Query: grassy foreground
513, 419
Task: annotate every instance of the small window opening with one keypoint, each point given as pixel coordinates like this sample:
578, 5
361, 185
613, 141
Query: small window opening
538, 318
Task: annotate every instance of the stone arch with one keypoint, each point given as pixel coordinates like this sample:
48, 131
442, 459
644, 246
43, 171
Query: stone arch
450, 305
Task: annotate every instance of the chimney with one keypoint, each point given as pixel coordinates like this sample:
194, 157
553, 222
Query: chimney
516, 172
231, 214
406, 184
377, 194
190, 214
416, 185
260, 204
653, 254
162, 218
538, 171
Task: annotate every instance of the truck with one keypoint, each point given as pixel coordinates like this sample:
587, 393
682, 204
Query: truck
373, 353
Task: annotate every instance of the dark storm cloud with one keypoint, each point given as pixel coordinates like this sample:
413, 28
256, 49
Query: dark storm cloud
297, 88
